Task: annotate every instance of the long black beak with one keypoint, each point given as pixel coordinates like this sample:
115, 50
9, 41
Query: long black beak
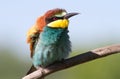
68, 15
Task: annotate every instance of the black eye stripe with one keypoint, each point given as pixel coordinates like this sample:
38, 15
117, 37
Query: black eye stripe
58, 17
48, 20
55, 18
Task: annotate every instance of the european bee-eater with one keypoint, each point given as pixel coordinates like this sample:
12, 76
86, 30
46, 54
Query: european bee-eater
49, 39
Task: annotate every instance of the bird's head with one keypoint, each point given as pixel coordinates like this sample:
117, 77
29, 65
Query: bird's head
55, 18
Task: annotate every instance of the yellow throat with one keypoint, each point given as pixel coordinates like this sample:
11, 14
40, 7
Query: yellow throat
62, 23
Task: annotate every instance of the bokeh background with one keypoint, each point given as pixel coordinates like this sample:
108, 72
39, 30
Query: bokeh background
97, 25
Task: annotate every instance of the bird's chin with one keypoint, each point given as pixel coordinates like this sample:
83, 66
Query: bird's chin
62, 23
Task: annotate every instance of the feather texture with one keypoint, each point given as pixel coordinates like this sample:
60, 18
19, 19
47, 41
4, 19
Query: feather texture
32, 34
53, 45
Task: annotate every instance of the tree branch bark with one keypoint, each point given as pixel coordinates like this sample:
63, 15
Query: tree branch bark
76, 60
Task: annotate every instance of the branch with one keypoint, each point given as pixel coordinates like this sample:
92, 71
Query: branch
79, 59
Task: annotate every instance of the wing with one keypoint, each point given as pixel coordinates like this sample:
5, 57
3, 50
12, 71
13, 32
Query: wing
34, 32
32, 37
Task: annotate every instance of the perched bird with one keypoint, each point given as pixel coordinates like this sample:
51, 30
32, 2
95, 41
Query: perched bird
49, 39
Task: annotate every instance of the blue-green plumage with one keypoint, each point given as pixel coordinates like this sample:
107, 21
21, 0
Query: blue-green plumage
53, 45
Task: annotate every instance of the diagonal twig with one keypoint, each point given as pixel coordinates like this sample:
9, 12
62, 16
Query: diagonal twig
76, 60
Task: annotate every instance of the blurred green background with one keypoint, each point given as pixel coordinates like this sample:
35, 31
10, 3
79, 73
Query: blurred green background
12, 67
97, 26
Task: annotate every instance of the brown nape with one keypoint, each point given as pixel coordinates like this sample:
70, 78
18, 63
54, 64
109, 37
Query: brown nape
40, 23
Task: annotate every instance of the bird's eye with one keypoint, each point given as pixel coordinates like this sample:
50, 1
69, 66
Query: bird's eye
54, 18
48, 20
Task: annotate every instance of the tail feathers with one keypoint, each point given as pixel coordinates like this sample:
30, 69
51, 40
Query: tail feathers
32, 69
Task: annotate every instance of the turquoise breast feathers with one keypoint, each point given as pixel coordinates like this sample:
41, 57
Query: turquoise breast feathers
53, 45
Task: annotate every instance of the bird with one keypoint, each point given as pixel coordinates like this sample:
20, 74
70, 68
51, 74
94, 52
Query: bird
48, 38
